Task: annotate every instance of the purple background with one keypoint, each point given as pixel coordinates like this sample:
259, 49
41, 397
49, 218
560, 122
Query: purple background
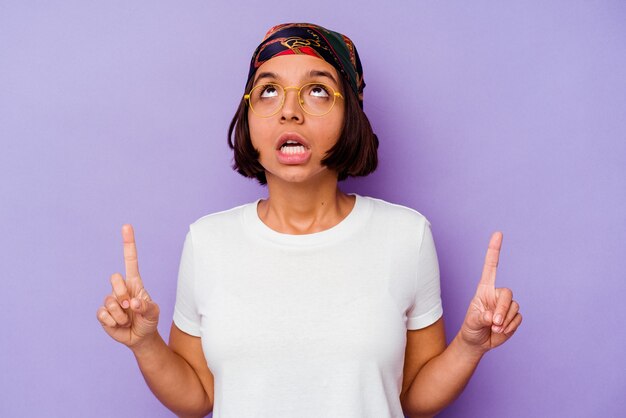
490, 115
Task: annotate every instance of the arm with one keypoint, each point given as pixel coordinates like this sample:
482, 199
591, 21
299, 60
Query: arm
177, 375
435, 375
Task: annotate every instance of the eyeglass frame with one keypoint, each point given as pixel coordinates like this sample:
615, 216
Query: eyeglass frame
336, 94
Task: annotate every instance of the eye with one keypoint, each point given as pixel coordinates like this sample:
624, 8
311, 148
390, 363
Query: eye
319, 90
268, 91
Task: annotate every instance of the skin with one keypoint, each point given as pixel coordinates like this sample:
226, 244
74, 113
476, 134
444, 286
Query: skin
302, 199
177, 374
429, 385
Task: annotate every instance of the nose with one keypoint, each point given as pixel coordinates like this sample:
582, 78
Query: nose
291, 107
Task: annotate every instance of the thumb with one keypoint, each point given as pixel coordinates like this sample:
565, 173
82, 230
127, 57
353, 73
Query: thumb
142, 304
478, 320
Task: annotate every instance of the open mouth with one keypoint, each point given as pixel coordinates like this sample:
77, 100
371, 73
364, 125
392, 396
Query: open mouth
292, 147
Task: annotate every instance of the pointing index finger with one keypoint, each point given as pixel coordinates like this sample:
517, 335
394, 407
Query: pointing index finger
130, 254
488, 277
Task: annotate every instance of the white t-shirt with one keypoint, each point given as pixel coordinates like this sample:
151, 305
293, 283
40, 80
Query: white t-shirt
308, 325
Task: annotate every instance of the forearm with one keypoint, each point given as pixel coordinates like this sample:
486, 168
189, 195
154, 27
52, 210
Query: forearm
441, 380
172, 380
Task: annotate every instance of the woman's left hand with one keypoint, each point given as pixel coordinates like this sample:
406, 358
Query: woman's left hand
493, 316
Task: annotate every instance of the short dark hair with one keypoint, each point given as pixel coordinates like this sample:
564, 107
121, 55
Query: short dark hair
355, 153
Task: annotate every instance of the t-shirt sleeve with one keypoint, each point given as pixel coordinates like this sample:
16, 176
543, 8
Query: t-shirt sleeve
427, 307
186, 315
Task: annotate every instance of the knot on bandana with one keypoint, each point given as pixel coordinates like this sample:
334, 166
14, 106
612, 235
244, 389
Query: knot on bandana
306, 38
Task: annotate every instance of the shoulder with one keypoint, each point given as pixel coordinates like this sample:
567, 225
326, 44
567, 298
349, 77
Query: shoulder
400, 226
220, 221
394, 214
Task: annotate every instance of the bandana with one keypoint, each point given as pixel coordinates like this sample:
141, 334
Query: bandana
307, 38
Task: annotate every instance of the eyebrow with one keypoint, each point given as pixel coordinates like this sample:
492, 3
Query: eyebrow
312, 74
318, 73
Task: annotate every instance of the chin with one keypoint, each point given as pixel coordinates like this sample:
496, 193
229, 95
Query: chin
299, 175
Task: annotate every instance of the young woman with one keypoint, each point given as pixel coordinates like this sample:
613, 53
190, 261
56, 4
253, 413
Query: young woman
311, 302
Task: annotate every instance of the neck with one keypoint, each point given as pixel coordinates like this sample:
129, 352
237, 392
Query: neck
304, 208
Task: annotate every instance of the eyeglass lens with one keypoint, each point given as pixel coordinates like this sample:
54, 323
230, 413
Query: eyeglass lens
315, 98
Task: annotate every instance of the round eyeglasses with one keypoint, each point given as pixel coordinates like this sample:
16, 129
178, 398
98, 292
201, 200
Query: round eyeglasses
316, 99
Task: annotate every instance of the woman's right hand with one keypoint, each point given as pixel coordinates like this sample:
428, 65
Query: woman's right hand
128, 314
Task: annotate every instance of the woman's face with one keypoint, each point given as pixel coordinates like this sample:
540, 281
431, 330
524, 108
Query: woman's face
314, 135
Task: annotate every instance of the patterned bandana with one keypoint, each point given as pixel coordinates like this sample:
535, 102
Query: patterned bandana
307, 38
